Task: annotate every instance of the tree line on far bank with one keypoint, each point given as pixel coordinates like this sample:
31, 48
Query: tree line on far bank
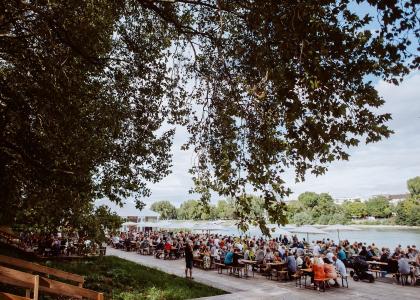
309, 208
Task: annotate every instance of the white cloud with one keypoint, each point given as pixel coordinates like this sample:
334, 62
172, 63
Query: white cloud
383, 167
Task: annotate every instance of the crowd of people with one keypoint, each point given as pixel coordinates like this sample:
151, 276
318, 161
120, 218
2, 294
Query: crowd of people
325, 258
56, 244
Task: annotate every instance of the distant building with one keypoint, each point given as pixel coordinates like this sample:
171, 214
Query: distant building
145, 215
144, 219
341, 200
394, 199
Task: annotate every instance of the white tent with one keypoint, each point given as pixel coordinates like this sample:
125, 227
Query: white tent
340, 227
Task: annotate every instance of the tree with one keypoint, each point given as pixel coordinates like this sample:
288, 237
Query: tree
225, 209
408, 212
413, 185
355, 209
308, 199
379, 207
86, 87
325, 206
189, 210
165, 208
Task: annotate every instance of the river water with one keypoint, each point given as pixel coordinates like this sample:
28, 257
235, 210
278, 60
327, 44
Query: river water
386, 236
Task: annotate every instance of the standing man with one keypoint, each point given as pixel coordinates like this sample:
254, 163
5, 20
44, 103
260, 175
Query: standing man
188, 259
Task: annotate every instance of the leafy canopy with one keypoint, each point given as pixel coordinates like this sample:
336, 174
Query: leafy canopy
165, 208
87, 88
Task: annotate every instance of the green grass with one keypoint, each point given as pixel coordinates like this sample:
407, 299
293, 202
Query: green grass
124, 280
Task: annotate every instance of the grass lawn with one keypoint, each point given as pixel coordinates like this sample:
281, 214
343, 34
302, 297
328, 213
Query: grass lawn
124, 280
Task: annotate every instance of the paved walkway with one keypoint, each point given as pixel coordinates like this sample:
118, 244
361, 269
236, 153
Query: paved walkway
261, 288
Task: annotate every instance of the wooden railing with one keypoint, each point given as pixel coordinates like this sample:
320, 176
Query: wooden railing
21, 279
30, 266
46, 285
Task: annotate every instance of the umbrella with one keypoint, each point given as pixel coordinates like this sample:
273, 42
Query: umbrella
341, 227
308, 230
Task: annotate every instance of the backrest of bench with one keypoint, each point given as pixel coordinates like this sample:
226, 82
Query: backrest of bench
64, 289
21, 279
7, 296
49, 286
41, 269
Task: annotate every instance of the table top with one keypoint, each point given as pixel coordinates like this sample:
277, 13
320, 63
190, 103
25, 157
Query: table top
278, 263
372, 262
247, 261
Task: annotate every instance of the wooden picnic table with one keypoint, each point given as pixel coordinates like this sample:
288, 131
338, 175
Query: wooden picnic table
379, 263
247, 263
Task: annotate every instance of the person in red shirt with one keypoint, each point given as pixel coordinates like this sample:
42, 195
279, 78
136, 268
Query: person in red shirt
168, 248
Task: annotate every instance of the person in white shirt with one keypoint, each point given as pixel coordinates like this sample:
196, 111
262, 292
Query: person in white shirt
330, 256
339, 265
317, 250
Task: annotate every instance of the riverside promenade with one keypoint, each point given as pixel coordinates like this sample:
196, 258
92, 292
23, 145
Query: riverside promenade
261, 288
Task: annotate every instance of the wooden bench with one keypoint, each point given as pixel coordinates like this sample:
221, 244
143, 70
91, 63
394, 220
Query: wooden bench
237, 270
376, 271
158, 253
298, 278
30, 266
198, 262
220, 267
279, 273
324, 281
21, 279
48, 285
7, 296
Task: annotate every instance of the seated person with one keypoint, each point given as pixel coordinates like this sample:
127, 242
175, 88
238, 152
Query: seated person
291, 263
259, 255
229, 258
269, 255
329, 271
318, 270
299, 262
404, 267
339, 265
236, 257
341, 255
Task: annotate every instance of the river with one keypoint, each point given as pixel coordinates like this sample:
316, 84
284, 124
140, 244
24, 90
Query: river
381, 236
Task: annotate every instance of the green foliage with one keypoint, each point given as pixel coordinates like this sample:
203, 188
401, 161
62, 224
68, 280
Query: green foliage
165, 208
408, 211
379, 207
189, 210
413, 185
355, 209
225, 209
308, 199
86, 87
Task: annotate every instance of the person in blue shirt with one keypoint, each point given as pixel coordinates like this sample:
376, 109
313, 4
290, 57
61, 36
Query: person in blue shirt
229, 258
341, 254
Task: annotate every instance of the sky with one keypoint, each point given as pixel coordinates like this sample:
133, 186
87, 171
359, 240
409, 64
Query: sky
379, 168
